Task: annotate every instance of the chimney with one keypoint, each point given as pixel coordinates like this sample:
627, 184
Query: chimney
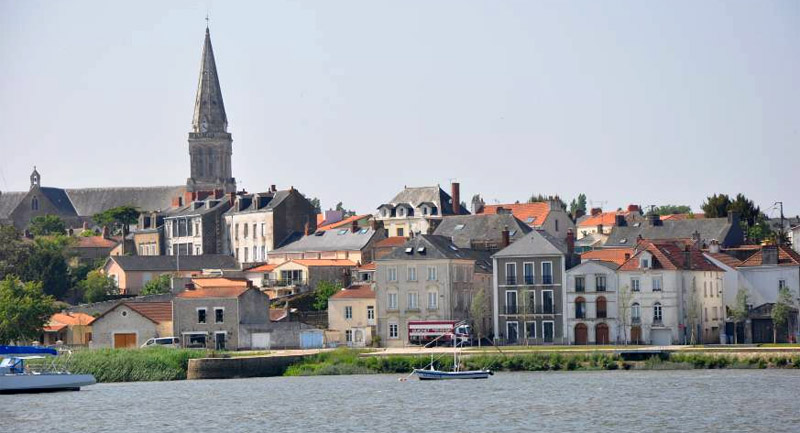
506, 238
272, 188
619, 220
570, 244
70, 231
354, 226
231, 198
189, 196
769, 255
627, 256
105, 232
733, 217
455, 188
714, 247
596, 211
600, 229
189, 286
633, 208
177, 201
218, 193
305, 229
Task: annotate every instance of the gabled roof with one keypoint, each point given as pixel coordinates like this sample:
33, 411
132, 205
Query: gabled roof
70, 319
95, 242
670, 256
215, 292
89, 201
342, 239
200, 207
217, 282
170, 263
414, 196
266, 267
260, 202
345, 223
726, 259
589, 263
708, 229
786, 257
468, 230
535, 243
361, 291
60, 200
607, 219
435, 247
532, 214
614, 255
9, 201
156, 311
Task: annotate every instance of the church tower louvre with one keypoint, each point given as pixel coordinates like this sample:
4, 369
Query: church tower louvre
210, 143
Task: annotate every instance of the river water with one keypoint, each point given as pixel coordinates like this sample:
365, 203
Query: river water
618, 401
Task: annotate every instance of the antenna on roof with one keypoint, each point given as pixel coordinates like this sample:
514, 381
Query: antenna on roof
602, 203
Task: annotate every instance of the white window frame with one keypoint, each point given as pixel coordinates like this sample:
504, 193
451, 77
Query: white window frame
509, 324
223, 314
660, 310
527, 336
553, 323
390, 296
411, 272
660, 280
348, 312
552, 272
396, 327
433, 296
636, 287
370, 312
348, 335
432, 273
516, 300
412, 300
391, 273
552, 299
511, 265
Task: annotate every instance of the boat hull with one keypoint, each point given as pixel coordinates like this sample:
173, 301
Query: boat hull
18, 383
450, 375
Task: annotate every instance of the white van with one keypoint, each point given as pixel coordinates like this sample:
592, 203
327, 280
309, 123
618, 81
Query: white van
163, 342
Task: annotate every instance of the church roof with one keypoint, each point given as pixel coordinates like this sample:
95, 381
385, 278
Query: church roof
208, 106
9, 201
89, 201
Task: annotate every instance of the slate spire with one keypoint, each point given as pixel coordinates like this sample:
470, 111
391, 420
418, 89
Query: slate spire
209, 110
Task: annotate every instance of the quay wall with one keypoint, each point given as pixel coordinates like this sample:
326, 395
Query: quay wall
238, 367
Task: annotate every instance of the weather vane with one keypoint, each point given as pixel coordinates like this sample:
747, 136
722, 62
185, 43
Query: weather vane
206, 19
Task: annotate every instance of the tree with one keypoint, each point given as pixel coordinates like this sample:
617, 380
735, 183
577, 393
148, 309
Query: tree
672, 209
24, 310
780, 311
577, 207
315, 202
14, 252
158, 285
753, 221
716, 206
48, 264
117, 217
478, 314
324, 290
740, 311
98, 287
46, 225
345, 212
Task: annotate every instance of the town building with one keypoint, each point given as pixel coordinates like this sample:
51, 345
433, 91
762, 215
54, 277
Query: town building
727, 231
549, 215
257, 224
419, 210
128, 325
351, 313
222, 315
670, 293
385, 247
430, 279
529, 290
331, 223
599, 223
482, 231
197, 228
592, 303
131, 273
617, 256
71, 329
301, 275
354, 243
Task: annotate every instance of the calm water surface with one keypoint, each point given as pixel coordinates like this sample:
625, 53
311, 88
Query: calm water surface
651, 401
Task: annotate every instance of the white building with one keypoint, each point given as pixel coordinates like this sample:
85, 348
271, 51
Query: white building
592, 303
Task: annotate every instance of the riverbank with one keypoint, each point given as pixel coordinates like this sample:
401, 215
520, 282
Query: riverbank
348, 361
134, 365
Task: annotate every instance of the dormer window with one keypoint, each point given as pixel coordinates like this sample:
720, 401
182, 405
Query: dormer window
645, 263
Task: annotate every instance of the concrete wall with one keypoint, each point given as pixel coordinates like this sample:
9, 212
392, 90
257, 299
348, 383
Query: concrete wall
250, 366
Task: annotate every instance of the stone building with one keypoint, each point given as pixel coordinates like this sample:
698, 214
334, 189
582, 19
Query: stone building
351, 313
549, 215
129, 324
354, 243
197, 228
131, 273
419, 210
592, 303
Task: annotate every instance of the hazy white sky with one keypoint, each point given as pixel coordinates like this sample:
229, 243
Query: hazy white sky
629, 102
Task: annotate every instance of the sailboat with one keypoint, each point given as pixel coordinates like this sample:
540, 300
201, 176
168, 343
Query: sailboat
16, 376
433, 374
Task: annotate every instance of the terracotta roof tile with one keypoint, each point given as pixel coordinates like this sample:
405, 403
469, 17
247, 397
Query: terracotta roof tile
345, 222
683, 216
393, 241
727, 259
532, 214
218, 282
323, 262
95, 242
70, 319
786, 257
218, 292
54, 328
156, 311
670, 256
371, 266
267, 267
607, 219
361, 291
614, 255
277, 314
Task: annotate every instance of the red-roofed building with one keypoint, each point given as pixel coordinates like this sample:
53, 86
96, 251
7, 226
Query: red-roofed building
131, 324
599, 222
72, 329
617, 256
676, 295
549, 216
351, 315
386, 246
300, 275
355, 220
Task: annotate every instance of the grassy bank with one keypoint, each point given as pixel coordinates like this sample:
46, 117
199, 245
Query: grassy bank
134, 365
346, 361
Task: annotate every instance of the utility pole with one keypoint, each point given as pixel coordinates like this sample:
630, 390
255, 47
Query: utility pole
781, 234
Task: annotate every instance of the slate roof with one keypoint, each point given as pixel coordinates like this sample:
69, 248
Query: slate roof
251, 204
533, 214
438, 247
170, 263
330, 240
670, 256
537, 242
415, 196
708, 228
9, 201
89, 201
60, 200
321, 262
200, 207
481, 228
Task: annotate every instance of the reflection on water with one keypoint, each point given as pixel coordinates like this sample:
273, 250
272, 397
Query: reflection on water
652, 401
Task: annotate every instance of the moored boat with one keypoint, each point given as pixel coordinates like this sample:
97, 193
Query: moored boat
16, 375
434, 374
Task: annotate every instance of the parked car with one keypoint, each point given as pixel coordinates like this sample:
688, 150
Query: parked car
163, 342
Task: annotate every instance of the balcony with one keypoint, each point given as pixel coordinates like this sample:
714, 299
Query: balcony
528, 280
580, 315
658, 323
601, 314
600, 288
269, 282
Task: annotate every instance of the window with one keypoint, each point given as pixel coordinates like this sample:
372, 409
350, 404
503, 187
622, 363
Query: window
391, 274
645, 263
254, 230
634, 284
530, 330
527, 270
657, 284
580, 284
413, 300
392, 301
547, 273
348, 335
511, 302
412, 273
34, 203
636, 313
400, 232
781, 284
348, 312
548, 331
547, 302
433, 300
601, 308
201, 315
219, 315
431, 273
512, 331
657, 312
459, 227
705, 313
370, 313
556, 225
511, 274
580, 308
600, 283
263, 229
246, 254
714, 313
236, 231
705, 289
394, 330
245, 230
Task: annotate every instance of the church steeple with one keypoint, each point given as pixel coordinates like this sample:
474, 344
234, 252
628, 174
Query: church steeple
209, 110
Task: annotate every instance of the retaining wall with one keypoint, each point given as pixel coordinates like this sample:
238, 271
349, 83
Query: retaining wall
245, 366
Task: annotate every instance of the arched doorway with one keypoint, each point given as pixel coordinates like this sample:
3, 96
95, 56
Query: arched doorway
636, 335
581, 334
601, 334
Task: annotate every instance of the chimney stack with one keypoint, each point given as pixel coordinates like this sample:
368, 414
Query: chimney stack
600, 229
654, 219
714, 247
86, 225
619, 220
231, 198
354, 226
456, 196
570, 243
272, 188
306, 229
596, 211
627, 256
506, 238
189, 286
105, 232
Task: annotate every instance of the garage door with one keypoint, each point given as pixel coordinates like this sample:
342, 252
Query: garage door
260, 340
123, 341
661, 337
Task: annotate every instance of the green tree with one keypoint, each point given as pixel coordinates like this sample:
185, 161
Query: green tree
716, 206
117, 217
753, 221
315, 202
577, 207
158, 285
14, 252
780, 311
672, 209
345, 212
24, 310
48, 263
740, 311
98, 287
46, 225
478, 312
324, 290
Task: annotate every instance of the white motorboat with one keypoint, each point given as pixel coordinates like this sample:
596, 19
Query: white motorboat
16, 375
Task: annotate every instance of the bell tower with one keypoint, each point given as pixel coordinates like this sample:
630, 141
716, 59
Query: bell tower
210, 143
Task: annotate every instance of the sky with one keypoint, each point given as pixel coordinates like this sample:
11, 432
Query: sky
626, 101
